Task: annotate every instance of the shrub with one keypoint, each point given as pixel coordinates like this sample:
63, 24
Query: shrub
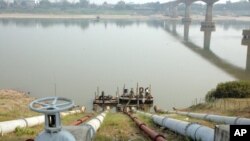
24, 131
232, 89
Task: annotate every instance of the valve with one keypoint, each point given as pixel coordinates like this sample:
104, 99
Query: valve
51, 108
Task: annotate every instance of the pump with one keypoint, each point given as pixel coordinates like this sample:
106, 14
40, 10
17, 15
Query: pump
51, 107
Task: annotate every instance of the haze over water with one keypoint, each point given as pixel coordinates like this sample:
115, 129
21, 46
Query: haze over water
76, 56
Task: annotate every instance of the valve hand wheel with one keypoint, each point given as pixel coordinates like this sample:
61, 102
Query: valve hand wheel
51, 104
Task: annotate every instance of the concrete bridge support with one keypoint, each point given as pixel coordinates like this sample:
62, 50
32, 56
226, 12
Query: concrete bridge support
174, 12
186, 31
187, 10
187, 20
246, 42
174, 22
208, 25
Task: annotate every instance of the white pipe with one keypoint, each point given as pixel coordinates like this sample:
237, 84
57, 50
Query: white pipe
93, 125
217, 118
11, 125
192, 130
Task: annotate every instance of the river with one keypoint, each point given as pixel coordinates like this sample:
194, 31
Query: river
71, 58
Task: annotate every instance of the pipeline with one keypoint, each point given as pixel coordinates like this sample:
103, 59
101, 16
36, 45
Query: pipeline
158, 110
216, 118
10, 126
81, 120
192, 130
93, 125
151, 133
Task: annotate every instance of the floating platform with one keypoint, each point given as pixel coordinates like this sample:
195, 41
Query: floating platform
139, 100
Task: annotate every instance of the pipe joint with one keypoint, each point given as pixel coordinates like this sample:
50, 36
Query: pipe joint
163, 120
133, 118
205, 117
158, 136
236, 120
141, 124
26, 122
196, 131
90, 127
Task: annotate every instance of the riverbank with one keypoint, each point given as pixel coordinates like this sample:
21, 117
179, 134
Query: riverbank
119, 126
239, 107
110, 16
14, 104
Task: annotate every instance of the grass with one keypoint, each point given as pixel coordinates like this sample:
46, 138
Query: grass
14, 105
118, 126
227, 106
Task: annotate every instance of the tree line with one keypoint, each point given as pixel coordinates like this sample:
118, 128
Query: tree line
242, 5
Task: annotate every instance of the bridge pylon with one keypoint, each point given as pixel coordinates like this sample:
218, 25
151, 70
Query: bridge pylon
208, 26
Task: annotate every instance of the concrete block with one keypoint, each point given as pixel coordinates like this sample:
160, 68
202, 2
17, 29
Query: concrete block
222, 133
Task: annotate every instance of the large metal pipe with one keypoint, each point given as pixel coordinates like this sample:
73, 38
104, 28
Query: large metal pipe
10, 126
192, 130
216, 118
81, 120
93, 125
151, 133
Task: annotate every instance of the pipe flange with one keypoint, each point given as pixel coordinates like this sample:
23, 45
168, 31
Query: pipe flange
236, 120
26, 122
102, 115
140, 125
90, 127
88, 136
205, 117
157, 136
197, 130
133, 118
162, 122
189, 124
98, 120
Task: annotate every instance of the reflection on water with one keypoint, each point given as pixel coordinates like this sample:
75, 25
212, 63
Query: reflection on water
208, 54
246, 42
79, 55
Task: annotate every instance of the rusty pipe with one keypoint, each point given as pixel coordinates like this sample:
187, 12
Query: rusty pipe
151, 133
81, 120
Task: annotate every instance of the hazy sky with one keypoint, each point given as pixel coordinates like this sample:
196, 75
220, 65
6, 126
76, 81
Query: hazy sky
128, 1
142, 1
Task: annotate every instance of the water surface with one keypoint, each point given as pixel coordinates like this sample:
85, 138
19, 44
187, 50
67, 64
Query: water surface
76, 56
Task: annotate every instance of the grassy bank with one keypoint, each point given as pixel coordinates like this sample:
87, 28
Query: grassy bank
226, 106
14, 104
118, 126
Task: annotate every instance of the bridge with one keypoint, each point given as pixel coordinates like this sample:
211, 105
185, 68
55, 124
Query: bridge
207, 26
205, 52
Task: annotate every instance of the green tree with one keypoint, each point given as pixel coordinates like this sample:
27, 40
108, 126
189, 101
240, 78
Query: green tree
233, 89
